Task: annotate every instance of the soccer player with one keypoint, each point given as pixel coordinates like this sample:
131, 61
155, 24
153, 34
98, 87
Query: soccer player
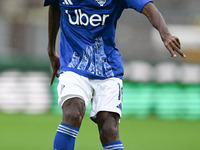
89, 65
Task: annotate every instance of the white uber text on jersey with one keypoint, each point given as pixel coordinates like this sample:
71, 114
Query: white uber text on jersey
83, 19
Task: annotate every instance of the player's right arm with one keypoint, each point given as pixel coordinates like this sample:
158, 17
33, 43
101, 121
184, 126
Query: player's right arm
171, 42
53, 27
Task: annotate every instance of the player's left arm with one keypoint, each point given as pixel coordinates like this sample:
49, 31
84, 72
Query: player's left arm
53, 27
171, 42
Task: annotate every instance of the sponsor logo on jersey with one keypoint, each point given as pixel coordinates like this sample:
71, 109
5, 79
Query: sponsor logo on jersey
101, 2
83, 19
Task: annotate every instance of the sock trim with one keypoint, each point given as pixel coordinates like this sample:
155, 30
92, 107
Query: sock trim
67, 129
113, 146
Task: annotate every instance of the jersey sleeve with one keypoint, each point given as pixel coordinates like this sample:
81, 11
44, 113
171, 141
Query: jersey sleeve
51, 2
136, 4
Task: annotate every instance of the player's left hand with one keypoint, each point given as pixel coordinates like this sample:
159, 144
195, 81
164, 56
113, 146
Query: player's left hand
172, 43
55, 63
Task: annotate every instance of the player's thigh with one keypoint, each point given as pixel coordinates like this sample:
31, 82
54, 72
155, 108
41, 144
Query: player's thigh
110, 119
74, 94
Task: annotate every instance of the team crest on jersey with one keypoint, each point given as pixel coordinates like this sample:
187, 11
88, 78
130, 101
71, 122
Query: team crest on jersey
101, 2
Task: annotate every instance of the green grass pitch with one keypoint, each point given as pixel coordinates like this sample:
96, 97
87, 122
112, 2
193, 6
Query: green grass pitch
36, 132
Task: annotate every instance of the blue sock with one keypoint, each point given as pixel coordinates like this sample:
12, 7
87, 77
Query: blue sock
65, 137
113, 146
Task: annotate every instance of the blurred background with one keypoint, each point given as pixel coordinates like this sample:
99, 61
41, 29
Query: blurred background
159, 91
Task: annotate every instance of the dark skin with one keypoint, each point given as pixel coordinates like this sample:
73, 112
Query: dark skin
53, 27
74, 108
172, 43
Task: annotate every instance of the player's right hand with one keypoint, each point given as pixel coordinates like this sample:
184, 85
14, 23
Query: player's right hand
173, 44
55, 64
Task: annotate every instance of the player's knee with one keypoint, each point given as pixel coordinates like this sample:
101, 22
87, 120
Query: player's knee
73, 112
108, 126
72, 115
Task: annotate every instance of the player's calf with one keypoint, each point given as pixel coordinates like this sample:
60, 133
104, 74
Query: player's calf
108, 129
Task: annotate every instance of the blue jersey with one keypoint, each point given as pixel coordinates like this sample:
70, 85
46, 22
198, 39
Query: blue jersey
87, 45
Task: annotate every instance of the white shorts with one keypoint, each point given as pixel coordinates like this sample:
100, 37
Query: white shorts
104, 95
